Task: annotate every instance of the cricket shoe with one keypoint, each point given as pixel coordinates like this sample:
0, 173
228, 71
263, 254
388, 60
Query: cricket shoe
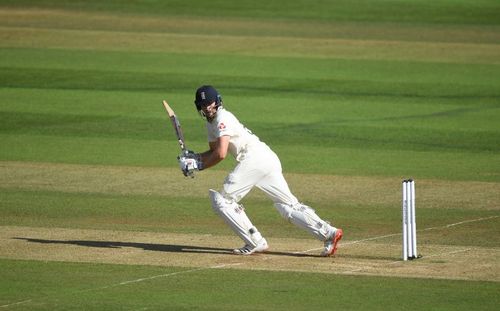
249, 249
331, 243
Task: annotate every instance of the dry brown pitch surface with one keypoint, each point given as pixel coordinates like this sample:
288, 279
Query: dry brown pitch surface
371, 257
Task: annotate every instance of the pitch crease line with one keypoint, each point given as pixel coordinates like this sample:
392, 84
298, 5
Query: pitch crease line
16, 303
460, 223
396, 234
163, 275
399, 261
133, 281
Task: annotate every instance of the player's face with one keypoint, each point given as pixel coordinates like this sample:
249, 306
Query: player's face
209, 110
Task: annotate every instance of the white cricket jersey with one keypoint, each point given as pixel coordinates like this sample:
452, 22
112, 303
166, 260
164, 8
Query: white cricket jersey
241, 139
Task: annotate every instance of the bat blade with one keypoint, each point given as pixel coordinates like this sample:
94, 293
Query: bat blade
170, 111
177, 126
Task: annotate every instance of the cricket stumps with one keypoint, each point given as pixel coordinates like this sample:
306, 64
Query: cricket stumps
409, 221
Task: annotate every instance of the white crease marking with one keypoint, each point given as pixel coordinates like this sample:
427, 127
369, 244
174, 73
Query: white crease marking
396, 234
133, 281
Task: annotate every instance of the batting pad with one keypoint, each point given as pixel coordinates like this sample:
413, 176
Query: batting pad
234, 215
306, 218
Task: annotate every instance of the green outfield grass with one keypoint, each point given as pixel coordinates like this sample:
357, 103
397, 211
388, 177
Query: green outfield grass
97, 287
354, 96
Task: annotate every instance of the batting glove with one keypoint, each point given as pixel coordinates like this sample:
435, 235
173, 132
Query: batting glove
189, 166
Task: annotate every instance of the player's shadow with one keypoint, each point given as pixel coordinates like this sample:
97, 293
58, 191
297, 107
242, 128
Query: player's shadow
171, 248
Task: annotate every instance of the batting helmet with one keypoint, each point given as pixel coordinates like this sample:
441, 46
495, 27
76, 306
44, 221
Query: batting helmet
205, 95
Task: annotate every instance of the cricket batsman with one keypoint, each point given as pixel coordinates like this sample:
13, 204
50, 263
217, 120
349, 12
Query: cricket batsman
257, 166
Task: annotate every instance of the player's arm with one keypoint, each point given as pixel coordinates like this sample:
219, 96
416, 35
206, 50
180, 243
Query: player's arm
217, 152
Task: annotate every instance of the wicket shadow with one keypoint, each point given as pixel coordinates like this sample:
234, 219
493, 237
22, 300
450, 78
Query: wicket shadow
170, 248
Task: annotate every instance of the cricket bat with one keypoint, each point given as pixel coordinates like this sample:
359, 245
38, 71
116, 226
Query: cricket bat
177, 127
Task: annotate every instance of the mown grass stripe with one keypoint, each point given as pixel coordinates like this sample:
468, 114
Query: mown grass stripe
68, 79
161, 182
438, 12
261, 46
339, 134
84, 20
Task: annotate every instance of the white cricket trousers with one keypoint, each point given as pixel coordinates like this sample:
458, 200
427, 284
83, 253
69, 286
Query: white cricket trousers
260, 167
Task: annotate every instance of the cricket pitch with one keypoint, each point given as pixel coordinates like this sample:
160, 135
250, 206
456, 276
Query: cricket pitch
373, 257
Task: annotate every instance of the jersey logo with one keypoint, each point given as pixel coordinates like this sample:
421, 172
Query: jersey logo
222, 126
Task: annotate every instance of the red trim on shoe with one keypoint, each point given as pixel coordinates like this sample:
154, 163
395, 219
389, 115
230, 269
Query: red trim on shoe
336, 239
